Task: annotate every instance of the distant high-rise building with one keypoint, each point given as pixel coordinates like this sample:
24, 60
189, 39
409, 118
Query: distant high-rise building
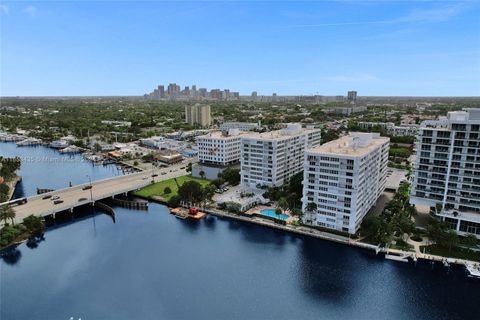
216, 94
352, 96
254, 94
161, 90
198, 114
173, 89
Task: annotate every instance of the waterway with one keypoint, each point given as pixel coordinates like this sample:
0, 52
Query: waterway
151, 265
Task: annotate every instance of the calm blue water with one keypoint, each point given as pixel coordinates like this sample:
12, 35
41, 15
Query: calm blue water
47, 168
155, 266
273, 214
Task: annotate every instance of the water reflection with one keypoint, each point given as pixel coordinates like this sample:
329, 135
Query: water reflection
33, 241
11, 255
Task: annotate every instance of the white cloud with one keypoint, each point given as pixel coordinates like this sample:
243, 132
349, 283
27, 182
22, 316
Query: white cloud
439, 14
432, 15
4, 9
30, 10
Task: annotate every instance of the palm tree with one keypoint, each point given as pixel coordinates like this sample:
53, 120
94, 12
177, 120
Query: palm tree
7, 213
311, 206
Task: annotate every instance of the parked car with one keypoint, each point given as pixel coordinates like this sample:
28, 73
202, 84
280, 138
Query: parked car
55, 197
82, 199
57, 201
48, 196
87, 188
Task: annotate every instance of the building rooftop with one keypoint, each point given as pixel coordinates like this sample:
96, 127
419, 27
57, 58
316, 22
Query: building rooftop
355, 144
292, 129
223, 135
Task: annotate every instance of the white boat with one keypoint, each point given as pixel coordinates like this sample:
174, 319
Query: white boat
473, 269
70, 149
94, 158
59, 144
29, 142
11, 137
402, 258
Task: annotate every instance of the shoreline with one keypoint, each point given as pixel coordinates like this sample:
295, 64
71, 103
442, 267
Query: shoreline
306, 231
12, 184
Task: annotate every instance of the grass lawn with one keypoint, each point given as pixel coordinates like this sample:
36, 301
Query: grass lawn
157, 189
456, 252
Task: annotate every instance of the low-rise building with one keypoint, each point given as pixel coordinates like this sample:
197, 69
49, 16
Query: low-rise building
242, 126
272, 158
391, 129
220, 147
343, 180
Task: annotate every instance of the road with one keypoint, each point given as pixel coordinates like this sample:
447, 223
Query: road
101, 189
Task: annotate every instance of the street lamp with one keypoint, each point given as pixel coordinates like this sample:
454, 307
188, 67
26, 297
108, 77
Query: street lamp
91, 203
91, 194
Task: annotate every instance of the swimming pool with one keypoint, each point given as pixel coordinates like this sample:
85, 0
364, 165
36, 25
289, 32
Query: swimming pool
273, 214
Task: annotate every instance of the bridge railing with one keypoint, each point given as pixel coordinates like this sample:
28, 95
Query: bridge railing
80, 185
68, 206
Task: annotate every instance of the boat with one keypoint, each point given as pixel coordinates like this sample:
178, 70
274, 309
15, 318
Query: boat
93, 157
11, 137
29, 142
59, 144
473, 269
394, 257
70, 149
180, 213
194, 213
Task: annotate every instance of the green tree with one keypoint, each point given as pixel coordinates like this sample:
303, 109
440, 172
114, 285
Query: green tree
34, 224
311, 207
450, 240
174, 201
231, 175
209, 191
97, 147
470, 240
6, 213
202, 174
4, 188
283, 203
167, 190
191, 191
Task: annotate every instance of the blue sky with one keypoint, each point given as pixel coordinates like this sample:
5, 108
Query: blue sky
324, 47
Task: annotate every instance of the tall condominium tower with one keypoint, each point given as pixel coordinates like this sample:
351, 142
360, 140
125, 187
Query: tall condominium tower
272, 158
343, 179
447, 169
198, 115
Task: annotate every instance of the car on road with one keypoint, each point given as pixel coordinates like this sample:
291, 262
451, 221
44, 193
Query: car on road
163, 173
55, 197
82, 199
48, 196
154, 175
57, 201
87, 188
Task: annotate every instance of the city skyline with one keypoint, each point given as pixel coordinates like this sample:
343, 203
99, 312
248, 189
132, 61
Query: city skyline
327, 48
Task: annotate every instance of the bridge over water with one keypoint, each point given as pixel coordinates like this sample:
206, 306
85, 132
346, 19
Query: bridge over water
81, 194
